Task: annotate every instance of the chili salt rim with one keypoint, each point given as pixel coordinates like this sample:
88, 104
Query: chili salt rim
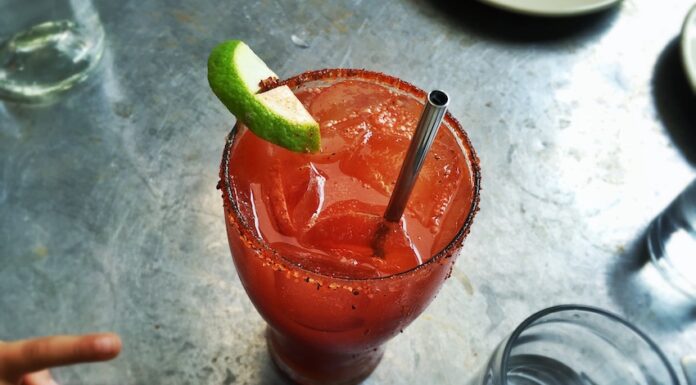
240, 223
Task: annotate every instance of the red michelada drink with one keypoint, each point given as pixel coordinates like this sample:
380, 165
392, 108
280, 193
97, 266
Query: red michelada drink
302, 225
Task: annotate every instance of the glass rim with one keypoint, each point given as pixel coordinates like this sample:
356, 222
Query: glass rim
231, 207
583, 308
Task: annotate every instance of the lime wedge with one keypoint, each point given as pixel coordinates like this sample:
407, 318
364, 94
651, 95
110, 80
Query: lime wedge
235, 74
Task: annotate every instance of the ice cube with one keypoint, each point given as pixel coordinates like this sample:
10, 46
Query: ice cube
348, 99
377, 160
277, 197
397, 116
438, 181
348, 231
339, 265
295, 191
311, 202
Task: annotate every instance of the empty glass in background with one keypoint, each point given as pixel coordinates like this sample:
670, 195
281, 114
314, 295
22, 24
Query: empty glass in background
46, 46
577, 345
672, 242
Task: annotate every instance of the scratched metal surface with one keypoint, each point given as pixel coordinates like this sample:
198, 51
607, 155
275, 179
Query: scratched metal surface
109, 217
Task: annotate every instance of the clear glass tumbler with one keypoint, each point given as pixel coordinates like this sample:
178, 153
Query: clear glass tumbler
577, 345
672, 242
46, 46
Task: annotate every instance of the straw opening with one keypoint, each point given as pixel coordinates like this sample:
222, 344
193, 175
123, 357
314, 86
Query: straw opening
438, 98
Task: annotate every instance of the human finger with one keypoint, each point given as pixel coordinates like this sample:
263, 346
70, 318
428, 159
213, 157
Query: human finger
27, 356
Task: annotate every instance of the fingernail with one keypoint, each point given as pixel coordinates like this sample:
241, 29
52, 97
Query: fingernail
105, 345
51, 382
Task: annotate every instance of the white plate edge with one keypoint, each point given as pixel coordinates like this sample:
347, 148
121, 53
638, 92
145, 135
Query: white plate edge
535, 12
688, 58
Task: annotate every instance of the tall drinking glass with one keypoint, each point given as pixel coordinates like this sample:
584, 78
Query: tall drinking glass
324, 329
46, 46
577, 345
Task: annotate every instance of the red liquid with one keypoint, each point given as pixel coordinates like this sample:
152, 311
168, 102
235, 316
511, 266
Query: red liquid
303, 238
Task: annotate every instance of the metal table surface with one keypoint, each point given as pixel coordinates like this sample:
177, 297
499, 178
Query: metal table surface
110, 220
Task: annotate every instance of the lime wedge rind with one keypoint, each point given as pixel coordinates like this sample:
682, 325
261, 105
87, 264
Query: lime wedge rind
234, 74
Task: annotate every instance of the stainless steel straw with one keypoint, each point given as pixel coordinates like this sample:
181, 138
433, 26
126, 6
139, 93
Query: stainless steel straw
435, 108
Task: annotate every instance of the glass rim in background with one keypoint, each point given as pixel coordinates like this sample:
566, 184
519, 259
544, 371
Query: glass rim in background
499, 366
47, 47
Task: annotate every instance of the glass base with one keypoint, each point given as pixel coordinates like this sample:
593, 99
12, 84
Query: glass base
533, 369
310, 366
46, 59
